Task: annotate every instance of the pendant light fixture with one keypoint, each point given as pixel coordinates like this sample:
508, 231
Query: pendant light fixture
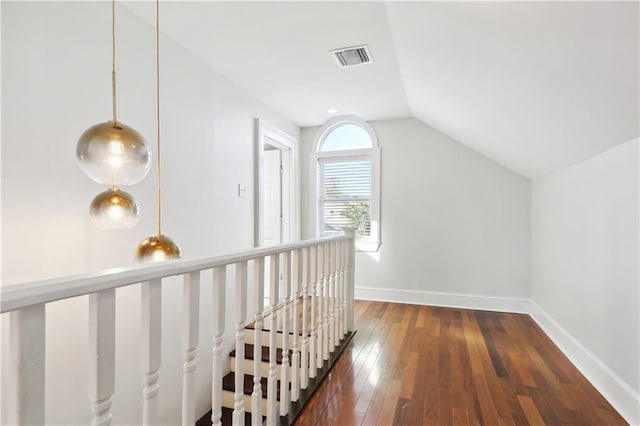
113, 154
158, 247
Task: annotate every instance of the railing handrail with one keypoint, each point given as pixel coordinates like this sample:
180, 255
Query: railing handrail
22, 295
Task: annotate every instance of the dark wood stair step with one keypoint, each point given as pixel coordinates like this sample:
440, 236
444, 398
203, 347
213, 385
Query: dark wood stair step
229, 384
248, 353
266, 329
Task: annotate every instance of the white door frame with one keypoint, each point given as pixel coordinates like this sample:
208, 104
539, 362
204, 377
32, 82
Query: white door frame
267, 133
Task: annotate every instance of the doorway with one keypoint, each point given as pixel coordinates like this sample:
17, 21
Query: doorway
276, 203
275, 197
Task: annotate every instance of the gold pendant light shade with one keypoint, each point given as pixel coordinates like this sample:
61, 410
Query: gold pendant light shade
113, 154
114, 209
157, 248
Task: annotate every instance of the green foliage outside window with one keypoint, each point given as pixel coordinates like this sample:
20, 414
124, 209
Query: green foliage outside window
359, 217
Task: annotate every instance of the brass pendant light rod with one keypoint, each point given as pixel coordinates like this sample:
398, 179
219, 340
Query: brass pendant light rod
114, 186
113, 58
113, 76
158, 107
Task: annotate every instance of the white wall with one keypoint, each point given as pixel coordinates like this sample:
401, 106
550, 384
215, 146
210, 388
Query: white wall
585, 265
56, 61
453, 221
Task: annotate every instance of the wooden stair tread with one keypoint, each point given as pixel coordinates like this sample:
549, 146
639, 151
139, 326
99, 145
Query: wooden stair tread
248, 353
266, 328
229, 384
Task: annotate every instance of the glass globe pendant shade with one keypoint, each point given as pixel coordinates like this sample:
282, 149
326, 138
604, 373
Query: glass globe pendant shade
113, 154
157, 248
114, 209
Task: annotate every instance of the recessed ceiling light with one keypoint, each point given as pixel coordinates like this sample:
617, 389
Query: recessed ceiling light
332, 111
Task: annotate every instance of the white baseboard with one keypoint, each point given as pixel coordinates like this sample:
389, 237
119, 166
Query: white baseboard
450, 300
615, 390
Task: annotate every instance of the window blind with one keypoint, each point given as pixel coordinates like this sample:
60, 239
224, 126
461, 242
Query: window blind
345, 196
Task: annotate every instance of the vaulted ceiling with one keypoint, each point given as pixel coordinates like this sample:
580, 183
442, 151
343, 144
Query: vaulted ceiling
536, 86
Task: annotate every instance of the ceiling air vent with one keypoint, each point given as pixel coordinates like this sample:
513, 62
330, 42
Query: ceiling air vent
351, 56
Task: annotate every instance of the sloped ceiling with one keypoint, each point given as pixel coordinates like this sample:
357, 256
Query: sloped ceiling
536, 86
279, 52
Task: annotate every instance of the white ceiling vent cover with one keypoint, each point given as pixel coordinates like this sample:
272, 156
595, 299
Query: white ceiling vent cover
352, 56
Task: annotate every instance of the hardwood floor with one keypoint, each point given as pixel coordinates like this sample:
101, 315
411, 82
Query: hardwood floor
419, 365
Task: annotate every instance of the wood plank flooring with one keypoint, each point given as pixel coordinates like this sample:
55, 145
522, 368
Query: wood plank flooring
419, 365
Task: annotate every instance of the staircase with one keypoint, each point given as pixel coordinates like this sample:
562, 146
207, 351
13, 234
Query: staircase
282, 352
300, 387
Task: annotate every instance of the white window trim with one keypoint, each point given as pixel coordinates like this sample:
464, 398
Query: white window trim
288, 144
373, 153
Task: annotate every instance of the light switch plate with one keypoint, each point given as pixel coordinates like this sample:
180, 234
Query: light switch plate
242, 190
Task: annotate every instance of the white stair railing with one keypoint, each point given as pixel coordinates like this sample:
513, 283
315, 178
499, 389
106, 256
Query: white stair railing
316, 287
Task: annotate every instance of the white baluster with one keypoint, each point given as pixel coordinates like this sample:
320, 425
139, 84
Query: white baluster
219, 284
325, 308
102, 354
284, 367
258, 306
190, 330
295, 360
304, 352
337, 326
345, 285
331, 299
336, 300
320, 318
351, 232
272, 380
313, 338
27, 334
241, 312
151, 333
339, 275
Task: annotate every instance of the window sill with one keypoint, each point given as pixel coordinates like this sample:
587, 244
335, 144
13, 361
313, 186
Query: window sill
368, 247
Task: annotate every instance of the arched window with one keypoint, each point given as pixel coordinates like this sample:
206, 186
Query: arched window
346, 179
346, 137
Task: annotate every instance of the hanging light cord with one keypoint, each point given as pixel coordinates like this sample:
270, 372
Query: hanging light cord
158, 103
113, 77
113, 58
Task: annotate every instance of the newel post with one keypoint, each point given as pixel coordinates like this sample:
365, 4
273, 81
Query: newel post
350, 232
